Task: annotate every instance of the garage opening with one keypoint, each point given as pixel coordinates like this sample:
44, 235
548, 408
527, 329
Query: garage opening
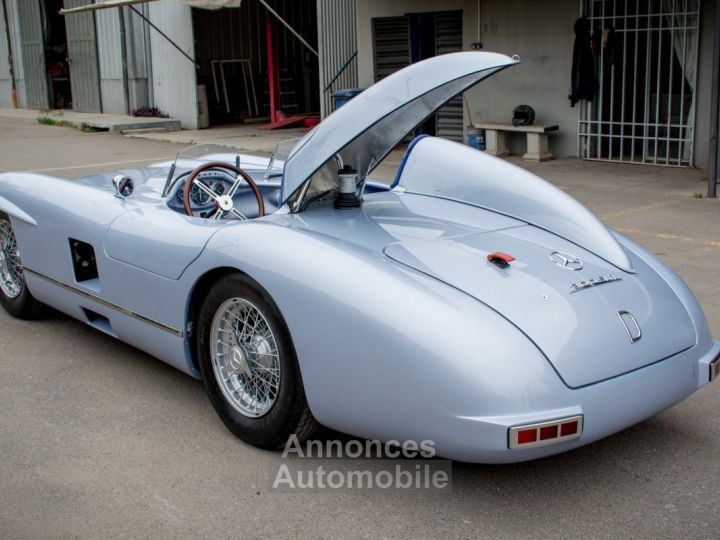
56, 56
71, 59
646, 55
233, 48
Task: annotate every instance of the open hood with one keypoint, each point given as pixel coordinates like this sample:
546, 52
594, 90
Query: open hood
365, 129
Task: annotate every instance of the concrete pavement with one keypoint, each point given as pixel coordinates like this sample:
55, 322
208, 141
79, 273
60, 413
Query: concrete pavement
100, 440
246, 138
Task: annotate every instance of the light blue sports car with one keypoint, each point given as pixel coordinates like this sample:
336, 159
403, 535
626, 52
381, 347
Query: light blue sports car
469, 302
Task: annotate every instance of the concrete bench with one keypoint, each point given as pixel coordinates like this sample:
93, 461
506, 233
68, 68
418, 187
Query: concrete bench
537, 140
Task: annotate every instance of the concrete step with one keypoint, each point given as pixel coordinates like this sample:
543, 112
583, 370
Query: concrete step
93, 121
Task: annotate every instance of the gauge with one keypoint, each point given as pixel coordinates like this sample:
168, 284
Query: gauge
198, 196
219, 189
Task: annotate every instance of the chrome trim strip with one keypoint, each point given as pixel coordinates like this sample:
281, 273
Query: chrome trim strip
633, 338
107, 303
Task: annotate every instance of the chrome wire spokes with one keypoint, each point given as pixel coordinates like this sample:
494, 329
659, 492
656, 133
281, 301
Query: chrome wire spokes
245, 357
11, 273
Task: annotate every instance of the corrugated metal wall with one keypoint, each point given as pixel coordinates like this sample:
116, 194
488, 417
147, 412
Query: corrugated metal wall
32, 49
174, 81
5, 84
82, 53
14, 35
110, 59
337, 41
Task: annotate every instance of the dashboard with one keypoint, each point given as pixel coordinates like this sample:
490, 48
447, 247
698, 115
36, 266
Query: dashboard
201, 204
220, 182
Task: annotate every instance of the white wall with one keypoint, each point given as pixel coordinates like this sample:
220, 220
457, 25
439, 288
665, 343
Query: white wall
543, 39
173, 75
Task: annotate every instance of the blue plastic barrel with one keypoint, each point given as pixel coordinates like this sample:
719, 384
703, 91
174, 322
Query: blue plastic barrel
342, 96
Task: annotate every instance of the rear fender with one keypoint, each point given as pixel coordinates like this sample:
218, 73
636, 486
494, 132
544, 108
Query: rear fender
375, 340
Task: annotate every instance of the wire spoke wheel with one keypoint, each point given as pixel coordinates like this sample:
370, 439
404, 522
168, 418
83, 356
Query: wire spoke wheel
11, 272
245, 357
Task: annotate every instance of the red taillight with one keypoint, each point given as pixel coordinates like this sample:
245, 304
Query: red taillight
568, 428
527, 436
542, 433
548, 432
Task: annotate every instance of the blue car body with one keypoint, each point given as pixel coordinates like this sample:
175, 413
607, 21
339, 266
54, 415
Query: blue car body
404, 323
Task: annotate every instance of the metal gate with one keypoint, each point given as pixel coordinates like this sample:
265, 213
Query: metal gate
646, 66
83, 58
32, 47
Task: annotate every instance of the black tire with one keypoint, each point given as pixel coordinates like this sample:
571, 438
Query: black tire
22, 305
289, 414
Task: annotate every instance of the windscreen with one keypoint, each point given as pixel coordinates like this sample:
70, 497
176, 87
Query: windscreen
189, 158
277, 162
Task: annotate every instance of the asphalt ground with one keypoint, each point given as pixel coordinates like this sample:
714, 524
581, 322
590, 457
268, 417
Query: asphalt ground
100, 440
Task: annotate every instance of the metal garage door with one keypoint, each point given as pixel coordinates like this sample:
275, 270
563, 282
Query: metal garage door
646, 62
391, 45
392, 48
32, 47
83, 58
448, 38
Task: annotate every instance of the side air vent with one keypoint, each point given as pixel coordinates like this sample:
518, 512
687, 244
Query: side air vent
83, 258
100, 322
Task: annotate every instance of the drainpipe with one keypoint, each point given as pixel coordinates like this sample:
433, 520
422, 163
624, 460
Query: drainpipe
11, 67
124, 57
714, 107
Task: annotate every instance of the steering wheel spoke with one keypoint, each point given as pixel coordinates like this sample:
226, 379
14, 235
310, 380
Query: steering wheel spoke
220, 214
235, 186
238, 214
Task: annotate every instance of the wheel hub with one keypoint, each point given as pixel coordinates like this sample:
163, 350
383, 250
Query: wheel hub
225, 203
245, 357
238, 362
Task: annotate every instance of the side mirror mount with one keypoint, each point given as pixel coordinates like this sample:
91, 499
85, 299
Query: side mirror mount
124, 186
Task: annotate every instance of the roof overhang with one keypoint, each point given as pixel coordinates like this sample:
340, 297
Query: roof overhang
108, 4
